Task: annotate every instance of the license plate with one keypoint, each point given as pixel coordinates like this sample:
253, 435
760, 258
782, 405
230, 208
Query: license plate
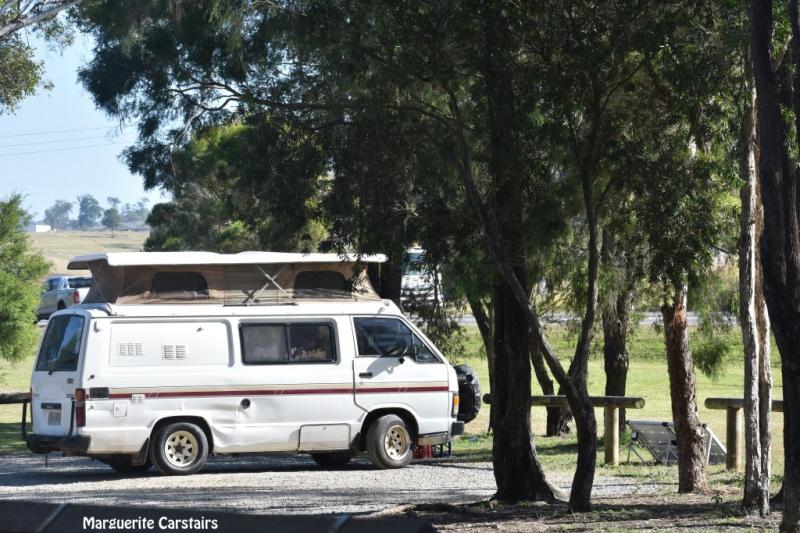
54, 418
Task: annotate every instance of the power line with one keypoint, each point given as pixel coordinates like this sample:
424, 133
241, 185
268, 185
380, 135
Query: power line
53, 141
60, 149
54, 132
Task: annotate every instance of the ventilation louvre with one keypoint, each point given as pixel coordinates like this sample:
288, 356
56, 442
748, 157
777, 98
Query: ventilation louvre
168, 351
173, 351
126, 349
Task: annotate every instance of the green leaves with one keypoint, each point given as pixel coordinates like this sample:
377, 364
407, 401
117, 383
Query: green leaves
21, 272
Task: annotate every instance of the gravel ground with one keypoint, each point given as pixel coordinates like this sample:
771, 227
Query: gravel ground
267, 484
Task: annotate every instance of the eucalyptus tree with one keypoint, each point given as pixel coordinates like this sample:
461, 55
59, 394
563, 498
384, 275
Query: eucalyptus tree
753, 315
777, 83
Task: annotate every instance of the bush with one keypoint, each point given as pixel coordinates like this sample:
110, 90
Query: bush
21, 272
711, 355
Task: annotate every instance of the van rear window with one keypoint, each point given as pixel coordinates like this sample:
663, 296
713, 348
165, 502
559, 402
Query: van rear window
61, 345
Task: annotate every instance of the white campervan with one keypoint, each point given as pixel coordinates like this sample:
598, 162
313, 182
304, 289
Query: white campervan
177, 355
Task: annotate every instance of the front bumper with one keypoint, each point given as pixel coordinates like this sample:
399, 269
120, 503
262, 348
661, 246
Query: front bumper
78, 444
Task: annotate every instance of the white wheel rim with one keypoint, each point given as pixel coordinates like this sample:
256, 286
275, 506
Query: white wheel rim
396, 442
181, 449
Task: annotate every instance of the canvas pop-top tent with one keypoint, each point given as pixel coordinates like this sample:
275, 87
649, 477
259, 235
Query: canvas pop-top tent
246, 278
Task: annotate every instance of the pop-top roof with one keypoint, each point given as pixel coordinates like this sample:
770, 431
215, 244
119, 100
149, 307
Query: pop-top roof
81, 262
247, 278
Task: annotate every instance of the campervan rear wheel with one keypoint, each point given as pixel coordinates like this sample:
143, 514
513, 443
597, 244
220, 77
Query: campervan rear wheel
179, 449
389, 442
331, 459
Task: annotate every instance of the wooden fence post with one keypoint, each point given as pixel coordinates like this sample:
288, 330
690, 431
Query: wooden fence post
611, 434
733, 459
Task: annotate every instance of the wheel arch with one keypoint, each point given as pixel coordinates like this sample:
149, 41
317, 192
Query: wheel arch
407, 416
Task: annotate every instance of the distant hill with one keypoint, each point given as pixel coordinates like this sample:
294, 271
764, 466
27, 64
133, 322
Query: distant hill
60, 246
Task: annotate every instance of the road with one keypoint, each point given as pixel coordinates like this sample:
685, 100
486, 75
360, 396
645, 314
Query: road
647, 319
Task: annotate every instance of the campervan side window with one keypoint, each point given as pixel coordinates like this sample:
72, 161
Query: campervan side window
389, 337
287, 343
179, 285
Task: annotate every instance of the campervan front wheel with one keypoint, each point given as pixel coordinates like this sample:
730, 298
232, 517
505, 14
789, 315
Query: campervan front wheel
389, 443
179, 449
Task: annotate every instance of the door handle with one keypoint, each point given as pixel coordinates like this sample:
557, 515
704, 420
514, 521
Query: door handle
365, 375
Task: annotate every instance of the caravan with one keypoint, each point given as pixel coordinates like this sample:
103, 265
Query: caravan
174, 356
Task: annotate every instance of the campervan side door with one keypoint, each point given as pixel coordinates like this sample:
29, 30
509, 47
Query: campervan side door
395, 367
302, 393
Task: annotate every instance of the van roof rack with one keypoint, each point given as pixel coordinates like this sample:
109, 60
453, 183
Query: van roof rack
81, 262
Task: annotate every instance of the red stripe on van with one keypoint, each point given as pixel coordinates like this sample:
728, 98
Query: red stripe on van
279, 392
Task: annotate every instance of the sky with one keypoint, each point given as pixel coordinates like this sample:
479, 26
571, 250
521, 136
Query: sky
57, 145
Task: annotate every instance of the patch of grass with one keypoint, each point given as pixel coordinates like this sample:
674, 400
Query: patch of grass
11, 437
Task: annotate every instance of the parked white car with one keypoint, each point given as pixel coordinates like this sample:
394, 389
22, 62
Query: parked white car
62, 292
418, 283
191, 353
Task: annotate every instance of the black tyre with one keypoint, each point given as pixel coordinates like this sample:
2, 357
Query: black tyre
124, 464
61, 305
331, 459
389, 442
469, 393
179, 449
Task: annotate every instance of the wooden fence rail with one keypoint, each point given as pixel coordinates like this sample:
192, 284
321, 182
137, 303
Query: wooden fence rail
13, 397
611, 406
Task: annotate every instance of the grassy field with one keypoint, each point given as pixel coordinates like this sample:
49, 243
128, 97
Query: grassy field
60, 246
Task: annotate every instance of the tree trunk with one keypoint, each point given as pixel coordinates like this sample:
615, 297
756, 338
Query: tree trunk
615, 350
517, 470
754, 323
548, 388
387, 278
683, 393
764, 382
780, 241
487, 336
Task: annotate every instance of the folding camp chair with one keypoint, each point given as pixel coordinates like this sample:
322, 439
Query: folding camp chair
655, 437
